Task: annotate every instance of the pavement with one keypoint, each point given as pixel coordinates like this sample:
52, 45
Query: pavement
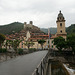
22, 65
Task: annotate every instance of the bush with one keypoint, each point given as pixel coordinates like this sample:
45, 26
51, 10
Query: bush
3, 50
32, 49
20, 51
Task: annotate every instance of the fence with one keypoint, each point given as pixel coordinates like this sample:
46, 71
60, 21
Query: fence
41, 68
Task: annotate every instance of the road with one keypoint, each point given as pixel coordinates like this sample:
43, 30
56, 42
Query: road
22, 65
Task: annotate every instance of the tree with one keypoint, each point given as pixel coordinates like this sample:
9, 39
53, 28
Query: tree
29, 44
2, 38
71, 41
15, 44
41, 42
7, 43
60, 43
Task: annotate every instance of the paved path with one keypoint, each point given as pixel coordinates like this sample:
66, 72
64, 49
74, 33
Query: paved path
22, 65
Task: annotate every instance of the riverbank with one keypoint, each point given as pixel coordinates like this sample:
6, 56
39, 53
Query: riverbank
69, 69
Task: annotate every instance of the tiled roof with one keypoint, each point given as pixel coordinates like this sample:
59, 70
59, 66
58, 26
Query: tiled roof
44, 35
53, 37
34, 38
7, 38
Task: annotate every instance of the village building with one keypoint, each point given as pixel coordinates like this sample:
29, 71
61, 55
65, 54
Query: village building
32, 33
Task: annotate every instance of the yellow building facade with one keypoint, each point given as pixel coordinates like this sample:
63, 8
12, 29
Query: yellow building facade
61, 31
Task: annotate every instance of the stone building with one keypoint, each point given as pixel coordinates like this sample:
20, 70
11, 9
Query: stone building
61, 25
30, 33
60, 29
28, 25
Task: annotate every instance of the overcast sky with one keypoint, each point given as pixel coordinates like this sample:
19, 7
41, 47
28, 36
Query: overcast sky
43, 13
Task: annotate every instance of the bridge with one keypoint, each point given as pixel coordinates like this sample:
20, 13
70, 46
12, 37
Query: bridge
37, 63
22, 65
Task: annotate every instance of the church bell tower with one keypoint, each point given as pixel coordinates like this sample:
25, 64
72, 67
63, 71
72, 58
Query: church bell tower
61, 25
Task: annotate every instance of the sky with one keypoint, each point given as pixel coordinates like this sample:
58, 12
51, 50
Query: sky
43, 13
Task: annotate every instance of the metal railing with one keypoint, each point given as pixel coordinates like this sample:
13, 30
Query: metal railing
41, 68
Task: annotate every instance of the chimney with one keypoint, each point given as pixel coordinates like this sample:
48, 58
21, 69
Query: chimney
31, 22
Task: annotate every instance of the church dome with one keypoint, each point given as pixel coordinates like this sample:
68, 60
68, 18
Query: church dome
60, 17
60, 14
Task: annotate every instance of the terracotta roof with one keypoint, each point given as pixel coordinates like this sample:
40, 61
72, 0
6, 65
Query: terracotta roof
37, 33
40, 35
7, 38
52, 34
53, 37
43, 35
36, 38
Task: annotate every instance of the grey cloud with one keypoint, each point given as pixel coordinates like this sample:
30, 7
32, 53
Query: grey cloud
42, 12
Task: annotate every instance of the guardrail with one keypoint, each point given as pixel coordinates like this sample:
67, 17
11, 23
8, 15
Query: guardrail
41, 68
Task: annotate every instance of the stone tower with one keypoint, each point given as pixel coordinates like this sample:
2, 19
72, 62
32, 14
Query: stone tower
61, 25
30, 25
25, 23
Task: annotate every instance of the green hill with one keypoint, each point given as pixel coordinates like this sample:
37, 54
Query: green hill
9, 28
17, 26
71, 29
52, 30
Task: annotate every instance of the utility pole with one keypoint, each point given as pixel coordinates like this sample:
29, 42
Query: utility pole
49, 37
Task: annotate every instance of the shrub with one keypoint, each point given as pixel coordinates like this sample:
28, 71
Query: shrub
3, 50
20, 51
32, 49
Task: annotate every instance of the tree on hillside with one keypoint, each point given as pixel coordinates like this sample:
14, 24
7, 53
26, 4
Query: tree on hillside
59, 42
71, 41
29, 44
71, 29
2, 38
41, 42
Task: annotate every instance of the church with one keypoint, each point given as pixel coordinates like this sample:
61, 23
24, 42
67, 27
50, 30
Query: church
60, 29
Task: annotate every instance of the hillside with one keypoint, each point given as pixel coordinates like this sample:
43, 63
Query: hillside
52, 30
9, 28
17, 27
71, 29
32, 29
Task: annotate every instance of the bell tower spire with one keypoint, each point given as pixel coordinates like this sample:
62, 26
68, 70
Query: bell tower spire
61, 25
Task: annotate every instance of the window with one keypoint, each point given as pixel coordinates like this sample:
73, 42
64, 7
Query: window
60, 24
52, 46
61, 31
52, 41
